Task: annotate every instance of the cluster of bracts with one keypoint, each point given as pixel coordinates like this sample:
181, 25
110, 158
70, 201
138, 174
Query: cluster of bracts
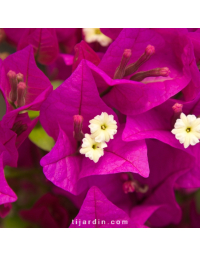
124, 122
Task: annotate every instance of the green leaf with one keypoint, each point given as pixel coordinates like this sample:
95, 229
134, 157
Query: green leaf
12, 172
14, 222
40, 138
56, 83
33, 114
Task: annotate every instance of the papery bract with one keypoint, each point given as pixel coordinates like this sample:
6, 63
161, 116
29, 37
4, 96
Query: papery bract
111, 32
165, 169
44, 42
6, 193
64, 34
153, 124
61, 69
29, 155
131, 97
98, 212
38, 88
37, 83
193, 88
8, 156
78, 95
7, 146
14, 34
65, 168
84, 51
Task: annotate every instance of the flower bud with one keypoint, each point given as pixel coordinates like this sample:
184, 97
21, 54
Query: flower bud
132, 68
78, 124
21, 93
128, 186
133, 185
120, 71
150, 73
13, 83
20, 77
149, 51
177, 108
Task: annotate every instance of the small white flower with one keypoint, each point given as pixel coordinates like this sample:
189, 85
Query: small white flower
92, 149
187, 130
103, 127
95, 35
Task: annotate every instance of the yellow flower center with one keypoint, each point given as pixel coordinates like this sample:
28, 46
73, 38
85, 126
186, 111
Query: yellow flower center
103, 127
97, 31
188, 129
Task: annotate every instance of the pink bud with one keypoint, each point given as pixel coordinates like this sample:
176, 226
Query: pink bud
21, 93
13, 83
78, 123
132, 68
127, 53
20, 77
177, 108
163, 71
150, 50
128, 186
120, 71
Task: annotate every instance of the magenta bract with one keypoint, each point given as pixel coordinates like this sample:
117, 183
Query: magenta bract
98, 212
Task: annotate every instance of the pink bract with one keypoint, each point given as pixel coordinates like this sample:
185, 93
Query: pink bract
98, 212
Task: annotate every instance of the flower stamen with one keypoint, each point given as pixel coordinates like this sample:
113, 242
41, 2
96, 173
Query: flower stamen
120, 71
132, 68
13, 83
21, 94
150, 73
188, 130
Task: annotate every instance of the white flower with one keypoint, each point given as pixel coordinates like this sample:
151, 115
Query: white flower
103, 127
92, 149
187, 130
95, 35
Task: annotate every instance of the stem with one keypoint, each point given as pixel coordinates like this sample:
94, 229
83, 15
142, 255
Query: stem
107, 90
12, 104
130, 175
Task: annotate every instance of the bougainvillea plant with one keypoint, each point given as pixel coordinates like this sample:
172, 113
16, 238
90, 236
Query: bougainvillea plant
99, 128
